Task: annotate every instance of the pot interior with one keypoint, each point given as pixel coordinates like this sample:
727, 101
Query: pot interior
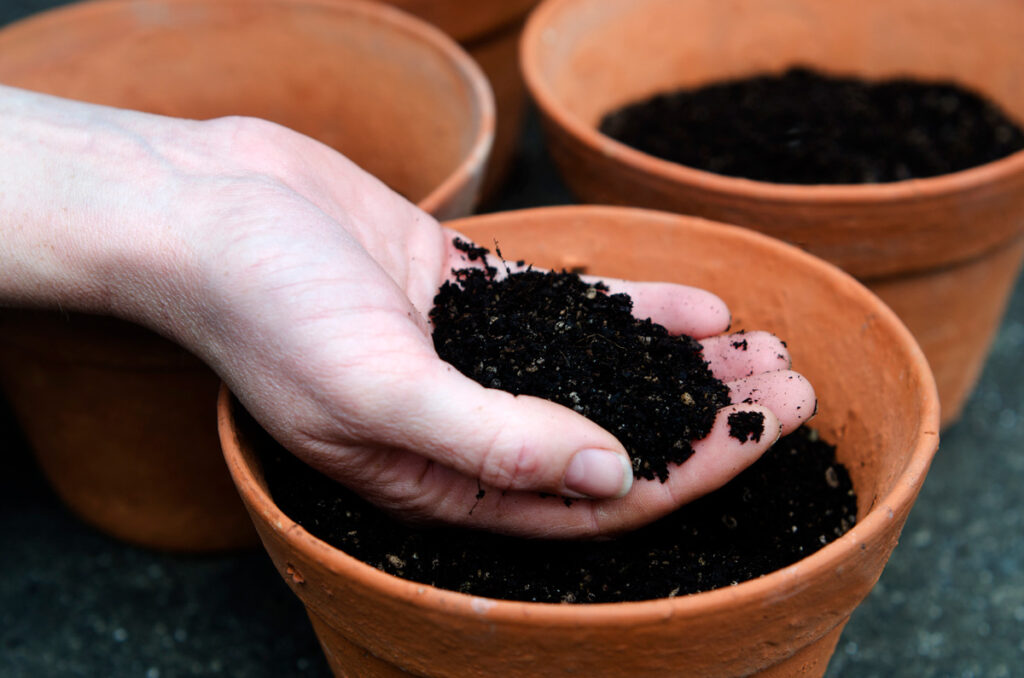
384, 92
598, 55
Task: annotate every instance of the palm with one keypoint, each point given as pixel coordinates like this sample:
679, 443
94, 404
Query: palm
325, 287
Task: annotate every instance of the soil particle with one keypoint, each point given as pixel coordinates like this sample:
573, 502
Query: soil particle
806, 127
744, 426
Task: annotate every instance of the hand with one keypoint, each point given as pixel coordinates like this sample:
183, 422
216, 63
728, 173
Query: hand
305, 283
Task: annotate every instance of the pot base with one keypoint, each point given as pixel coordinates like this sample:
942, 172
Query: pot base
347, 660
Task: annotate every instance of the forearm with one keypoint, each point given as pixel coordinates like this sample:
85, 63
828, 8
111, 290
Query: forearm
79, 228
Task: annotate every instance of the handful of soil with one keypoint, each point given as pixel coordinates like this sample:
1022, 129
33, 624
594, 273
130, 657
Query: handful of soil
554, 336
805, 127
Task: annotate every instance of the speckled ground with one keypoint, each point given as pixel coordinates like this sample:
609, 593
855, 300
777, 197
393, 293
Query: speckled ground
75, 603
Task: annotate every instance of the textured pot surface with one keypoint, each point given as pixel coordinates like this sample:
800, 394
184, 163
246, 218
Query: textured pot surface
883, 415
489, 30
585, 58
498, 56
468, 21
122, 424
393, 93
128, 436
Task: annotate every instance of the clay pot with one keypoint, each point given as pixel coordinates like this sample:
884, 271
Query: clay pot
943, 252
883, 415
122, 421
122, 424
392, 93
489, 30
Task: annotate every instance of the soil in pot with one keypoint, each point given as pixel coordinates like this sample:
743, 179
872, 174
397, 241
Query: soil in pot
790, 503
808, 127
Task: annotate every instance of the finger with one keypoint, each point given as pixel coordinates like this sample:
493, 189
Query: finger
508, 442
744, 354
425, 492
785, 392
681, 309
719, 457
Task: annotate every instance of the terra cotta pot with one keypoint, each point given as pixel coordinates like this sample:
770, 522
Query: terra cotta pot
122, 421
882, 414
489, 30
943, 252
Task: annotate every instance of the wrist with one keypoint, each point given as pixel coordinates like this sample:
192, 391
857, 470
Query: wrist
83, 198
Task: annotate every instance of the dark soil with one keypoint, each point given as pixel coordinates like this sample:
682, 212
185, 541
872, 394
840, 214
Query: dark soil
790, 503
805, 127
554, 336
746, 426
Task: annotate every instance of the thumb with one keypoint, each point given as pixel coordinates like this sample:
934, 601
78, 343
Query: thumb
509, 442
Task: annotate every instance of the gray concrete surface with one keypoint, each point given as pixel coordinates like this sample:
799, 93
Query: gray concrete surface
76, 603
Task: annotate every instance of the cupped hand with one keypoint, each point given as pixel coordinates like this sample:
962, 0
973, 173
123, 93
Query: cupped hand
318, 288
306, 284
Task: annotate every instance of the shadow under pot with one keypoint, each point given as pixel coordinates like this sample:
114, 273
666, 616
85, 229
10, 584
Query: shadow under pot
942, 251
122, 422
883, 418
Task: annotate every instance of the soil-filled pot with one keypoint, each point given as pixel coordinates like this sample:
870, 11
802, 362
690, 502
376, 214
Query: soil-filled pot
882, 415
943, 252
489, 30
122, 421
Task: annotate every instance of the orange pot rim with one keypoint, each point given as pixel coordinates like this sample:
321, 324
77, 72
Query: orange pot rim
770, 587
394, 19
767, 192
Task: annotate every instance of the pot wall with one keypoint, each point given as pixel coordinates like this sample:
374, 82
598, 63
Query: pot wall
127, 436
391, 93
883, 416
468, 21
498, 56
489, 30
122, 424
585, 58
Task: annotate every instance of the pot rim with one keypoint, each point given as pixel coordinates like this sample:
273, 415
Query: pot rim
472, 162
909, 190
773, 586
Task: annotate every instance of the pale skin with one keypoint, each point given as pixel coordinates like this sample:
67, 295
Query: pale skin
305, 284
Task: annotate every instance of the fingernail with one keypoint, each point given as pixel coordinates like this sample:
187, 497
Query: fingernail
599, 474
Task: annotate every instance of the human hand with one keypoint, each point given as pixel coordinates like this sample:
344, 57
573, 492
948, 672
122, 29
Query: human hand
305, 283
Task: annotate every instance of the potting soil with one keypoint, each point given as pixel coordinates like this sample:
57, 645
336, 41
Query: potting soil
786, 506
807, 127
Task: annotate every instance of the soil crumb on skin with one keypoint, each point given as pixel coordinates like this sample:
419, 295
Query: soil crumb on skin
806, 127
552, 335
744, 426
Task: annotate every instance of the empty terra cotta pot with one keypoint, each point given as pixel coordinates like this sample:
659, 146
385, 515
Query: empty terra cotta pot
883, 416
489, 30
121, 420
943, 252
